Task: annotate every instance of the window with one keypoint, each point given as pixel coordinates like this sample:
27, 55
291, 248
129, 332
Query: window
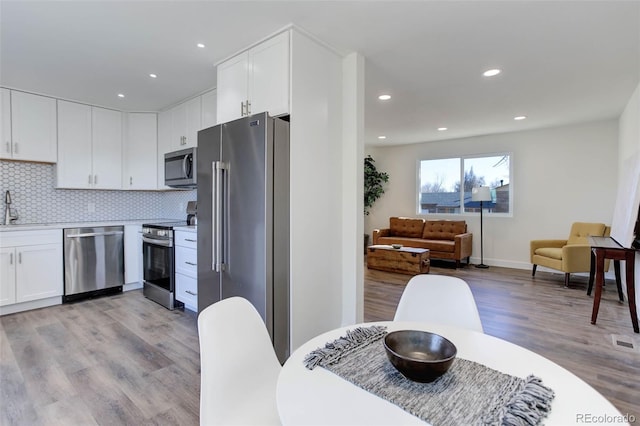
441, 190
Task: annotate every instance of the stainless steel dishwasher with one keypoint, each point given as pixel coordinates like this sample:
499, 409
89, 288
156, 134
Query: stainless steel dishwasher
93, 261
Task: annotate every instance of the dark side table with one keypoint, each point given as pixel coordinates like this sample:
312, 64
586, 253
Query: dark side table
607, 248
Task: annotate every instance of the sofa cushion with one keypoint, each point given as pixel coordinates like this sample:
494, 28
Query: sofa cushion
406, 227
442, 246
552, 252
443, 229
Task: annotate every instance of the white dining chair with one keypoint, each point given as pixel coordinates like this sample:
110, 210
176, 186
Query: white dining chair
238, 366
440, 299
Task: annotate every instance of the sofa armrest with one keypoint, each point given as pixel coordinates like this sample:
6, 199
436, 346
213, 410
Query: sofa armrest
576, 258
377, 233
463, 245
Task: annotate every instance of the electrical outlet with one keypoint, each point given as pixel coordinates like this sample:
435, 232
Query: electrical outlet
91, 207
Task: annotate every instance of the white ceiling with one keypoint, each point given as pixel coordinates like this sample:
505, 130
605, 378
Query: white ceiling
563, 61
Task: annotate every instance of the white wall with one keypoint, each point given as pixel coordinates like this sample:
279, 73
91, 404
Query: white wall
628, 159
560, 175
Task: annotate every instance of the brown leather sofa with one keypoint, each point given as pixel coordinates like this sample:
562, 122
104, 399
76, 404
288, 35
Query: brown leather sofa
445, 239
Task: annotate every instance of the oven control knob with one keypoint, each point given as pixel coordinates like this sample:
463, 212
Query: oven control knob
162, 233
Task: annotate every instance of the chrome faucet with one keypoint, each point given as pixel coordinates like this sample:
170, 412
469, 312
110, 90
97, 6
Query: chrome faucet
10, 215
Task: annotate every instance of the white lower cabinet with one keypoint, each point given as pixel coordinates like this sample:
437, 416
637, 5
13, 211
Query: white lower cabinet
186, 262
132, 256
30, 267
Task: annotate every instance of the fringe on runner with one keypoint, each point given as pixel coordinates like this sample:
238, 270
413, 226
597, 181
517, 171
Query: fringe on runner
529, 405
334, 351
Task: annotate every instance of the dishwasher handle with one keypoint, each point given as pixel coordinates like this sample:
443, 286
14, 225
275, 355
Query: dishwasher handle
95, 234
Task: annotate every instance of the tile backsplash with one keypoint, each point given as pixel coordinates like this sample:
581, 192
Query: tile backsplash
36, 199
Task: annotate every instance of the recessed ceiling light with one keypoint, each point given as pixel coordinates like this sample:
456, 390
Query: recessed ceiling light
153, 76
384, 97
120, 95
382, 137
200, 45
492, 72
520, 117
442, 129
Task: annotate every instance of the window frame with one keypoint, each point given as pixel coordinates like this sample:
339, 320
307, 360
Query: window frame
464, 212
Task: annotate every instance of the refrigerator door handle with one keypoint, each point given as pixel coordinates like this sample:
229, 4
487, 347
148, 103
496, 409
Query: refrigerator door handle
216, 227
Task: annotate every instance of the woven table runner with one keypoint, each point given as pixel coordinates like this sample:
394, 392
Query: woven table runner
468, 394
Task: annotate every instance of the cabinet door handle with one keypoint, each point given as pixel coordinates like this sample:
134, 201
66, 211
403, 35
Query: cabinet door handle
248, 107
10, 258
190, 240
95, 179
20, 257
191, 293
130, 180
8, 147
241, 109
192, 264
15, 147
89, 179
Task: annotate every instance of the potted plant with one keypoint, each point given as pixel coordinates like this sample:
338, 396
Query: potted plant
373, 188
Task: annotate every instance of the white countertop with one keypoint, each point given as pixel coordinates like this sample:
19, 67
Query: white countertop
63, 225
186, 228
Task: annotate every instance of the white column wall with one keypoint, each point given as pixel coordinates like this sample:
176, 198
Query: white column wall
352, 192
316, 189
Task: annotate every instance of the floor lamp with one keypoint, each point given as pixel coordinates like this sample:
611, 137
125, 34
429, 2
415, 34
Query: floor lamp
481, 193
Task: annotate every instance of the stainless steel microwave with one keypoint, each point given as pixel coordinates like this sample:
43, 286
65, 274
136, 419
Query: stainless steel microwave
180, 168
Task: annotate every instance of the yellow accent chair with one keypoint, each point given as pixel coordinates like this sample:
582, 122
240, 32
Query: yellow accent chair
570, 255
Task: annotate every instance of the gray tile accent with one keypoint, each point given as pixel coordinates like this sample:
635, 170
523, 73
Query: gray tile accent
36, 199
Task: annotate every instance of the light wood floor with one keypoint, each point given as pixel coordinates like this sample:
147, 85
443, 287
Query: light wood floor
541, 315
126, 360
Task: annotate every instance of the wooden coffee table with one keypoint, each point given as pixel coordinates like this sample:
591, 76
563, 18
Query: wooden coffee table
405, 260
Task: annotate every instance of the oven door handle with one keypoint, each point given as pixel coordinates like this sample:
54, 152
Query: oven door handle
156, 242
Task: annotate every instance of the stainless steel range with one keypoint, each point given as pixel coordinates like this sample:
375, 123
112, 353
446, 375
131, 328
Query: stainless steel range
159, 263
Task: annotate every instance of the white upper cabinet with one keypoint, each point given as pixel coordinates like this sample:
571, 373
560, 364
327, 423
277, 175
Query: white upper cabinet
255, 81
140, 151
185, 123
209, 108
5, 123
164, 144
89, 147
32, 127
74, 146
107, 148
233, 87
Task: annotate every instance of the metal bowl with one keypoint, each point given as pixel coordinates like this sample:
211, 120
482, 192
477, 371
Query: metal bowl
396, 246
419, 355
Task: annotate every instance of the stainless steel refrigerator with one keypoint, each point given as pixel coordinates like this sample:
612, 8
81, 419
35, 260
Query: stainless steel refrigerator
243, 219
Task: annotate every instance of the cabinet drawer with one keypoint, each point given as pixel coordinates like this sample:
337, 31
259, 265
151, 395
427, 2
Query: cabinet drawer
186, 239
187, 291
187, 261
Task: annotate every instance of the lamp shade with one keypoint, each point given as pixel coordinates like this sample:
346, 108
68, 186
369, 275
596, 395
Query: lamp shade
481, 193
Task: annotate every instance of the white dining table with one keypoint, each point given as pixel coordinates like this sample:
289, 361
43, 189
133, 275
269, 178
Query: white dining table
320, 397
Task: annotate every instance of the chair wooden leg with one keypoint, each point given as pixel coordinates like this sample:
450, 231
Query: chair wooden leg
566, 280
533, 273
